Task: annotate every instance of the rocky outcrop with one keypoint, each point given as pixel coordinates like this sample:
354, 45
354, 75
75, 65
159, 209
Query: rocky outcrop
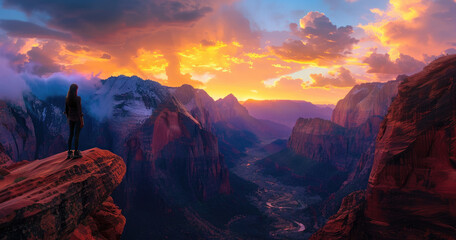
106, 223
50, 198
364, 101
286, 112
347, 223
411, 193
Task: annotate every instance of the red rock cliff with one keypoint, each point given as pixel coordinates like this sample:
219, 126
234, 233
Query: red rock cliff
364, 101
324, 141
173, 143
50, 198
412, 186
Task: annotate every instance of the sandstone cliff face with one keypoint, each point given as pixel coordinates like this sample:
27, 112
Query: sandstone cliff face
50, 198
320, 140
364, 101
172, 165
174, 143
324, 141
199, 104
411, 192
17, 133
347, 222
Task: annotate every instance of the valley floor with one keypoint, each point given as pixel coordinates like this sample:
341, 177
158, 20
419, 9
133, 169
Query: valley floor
286, 206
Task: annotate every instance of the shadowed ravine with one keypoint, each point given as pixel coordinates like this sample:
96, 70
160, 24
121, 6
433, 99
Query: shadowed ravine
284, 204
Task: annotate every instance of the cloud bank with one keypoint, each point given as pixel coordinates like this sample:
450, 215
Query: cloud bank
319, 41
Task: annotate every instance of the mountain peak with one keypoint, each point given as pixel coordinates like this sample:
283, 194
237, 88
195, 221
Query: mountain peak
230, 98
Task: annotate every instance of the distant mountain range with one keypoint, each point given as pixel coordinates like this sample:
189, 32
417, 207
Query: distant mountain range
287, 112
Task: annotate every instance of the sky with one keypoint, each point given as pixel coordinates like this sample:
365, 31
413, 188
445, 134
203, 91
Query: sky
269, 49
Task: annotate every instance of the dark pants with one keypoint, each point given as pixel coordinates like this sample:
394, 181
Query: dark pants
73, 125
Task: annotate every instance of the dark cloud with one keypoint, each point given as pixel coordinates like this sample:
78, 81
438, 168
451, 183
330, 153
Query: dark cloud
106, 56
319, 40
76, 48
18, 28
343, 79
9, 50
41, 61
97, 20
381, 63
207, 43
431, 58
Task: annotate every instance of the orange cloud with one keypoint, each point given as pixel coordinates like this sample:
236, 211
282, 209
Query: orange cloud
415, 27
319, 43
343, 79
381, 63
216, 50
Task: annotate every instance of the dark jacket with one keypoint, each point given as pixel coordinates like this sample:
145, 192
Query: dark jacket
73, 109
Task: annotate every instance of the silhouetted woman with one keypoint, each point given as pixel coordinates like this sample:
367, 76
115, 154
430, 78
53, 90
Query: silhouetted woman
73, 111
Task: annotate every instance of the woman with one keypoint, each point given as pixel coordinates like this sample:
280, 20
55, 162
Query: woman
74, 115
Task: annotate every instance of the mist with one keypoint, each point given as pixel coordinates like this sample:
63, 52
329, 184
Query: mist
12, 86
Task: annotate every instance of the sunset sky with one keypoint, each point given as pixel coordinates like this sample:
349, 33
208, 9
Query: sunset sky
298, 49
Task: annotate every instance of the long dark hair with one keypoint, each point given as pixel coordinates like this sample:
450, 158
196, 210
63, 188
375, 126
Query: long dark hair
72, 93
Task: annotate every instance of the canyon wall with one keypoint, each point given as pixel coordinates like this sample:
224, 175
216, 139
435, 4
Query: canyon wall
411, 191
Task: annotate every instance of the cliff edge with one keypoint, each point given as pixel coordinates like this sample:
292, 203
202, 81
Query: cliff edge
53, 197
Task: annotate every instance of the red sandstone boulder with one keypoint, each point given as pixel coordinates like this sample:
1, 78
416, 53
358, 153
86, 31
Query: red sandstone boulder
107, 223
49, 198
346, 223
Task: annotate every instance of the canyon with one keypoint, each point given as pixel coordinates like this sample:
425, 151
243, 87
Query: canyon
186, 165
